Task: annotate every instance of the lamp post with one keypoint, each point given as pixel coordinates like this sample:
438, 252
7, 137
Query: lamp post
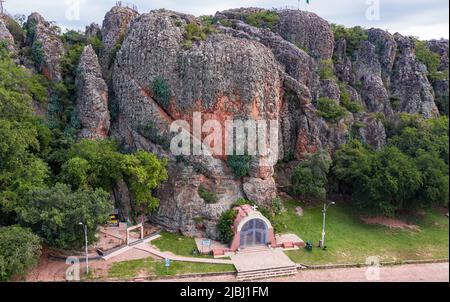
324, 211
86, 248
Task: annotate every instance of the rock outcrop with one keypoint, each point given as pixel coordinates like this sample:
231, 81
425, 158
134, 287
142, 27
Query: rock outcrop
47, 48
410, 81
308, 31
5, 36
93, 30
92, 97
236, 71
115, 26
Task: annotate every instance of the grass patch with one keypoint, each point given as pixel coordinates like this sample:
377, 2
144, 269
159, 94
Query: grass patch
151, 267
177, 244
351, 241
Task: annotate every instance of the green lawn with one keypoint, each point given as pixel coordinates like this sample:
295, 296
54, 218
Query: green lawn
348, 240
152, 267
178, 244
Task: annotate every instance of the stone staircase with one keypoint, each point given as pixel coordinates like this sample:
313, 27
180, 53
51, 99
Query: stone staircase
267, 273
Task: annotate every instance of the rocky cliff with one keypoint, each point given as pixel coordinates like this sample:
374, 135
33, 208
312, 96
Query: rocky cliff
92, 97
46, 45
164, 66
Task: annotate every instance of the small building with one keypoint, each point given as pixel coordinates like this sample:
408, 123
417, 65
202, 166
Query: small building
252, 229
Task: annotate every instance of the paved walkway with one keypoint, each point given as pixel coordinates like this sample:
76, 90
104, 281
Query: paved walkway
260, 259
148, 248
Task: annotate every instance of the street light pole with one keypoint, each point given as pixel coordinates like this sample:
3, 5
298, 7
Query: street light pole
86, 247
324, 211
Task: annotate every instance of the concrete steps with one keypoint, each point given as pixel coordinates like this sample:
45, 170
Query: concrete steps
267, 273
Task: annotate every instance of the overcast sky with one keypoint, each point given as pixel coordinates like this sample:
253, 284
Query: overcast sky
426, 19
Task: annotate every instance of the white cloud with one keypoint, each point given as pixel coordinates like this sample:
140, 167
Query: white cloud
424, 18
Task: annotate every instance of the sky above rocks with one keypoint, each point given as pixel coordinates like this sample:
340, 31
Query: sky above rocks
427, 19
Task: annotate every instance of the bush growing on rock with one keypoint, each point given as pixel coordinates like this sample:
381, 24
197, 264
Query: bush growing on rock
353, 36
240, 164
326, 70
346, 101
207, 196
263, 19
195, 32
330, 110
161, 91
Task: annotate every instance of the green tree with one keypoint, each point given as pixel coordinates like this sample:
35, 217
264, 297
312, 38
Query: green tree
144, 172
20, 250
310, 177
55, 213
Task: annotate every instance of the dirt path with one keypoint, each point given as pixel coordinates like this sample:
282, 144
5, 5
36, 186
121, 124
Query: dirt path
435, 272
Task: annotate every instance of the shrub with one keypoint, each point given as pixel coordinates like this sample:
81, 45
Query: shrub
431, 59
263, 19
207, 196
240, 164
330, 110
277, 206
347, 103
225, 224
195, 32
395, 102
353, 36
326, 71
161, 91
20, 250
37, 54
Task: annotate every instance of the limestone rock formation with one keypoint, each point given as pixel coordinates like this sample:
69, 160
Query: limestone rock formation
92, 97
115, 26
47, 48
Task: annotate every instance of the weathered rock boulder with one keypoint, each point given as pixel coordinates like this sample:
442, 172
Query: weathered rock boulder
92, 97
47, 47
307, 30
115, 26
410, 81
261, 191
